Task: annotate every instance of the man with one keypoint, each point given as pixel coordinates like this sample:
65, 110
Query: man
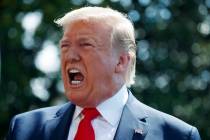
98, 63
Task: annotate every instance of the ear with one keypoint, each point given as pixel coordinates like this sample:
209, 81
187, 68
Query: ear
122, 65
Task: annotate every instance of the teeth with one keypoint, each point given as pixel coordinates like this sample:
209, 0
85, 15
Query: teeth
74, 71
75, 76
75, 82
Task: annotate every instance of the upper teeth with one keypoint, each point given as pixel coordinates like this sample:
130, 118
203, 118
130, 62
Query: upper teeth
75, 82
74, 71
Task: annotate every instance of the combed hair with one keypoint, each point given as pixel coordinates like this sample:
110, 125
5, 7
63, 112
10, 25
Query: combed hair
122, 30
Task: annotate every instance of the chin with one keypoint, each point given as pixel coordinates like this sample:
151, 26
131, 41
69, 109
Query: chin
75, 97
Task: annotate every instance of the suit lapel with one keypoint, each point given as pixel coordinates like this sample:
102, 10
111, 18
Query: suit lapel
58, 127
132, 125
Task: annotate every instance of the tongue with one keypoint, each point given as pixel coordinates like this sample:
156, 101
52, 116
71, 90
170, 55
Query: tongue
78, 77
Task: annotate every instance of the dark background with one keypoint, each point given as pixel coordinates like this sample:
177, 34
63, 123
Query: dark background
173, 66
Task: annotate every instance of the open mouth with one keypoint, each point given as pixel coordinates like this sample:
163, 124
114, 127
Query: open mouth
75, 77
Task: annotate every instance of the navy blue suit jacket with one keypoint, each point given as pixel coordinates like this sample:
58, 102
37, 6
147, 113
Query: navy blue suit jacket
138, 122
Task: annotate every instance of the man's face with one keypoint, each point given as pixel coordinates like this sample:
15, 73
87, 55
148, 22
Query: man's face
88, 63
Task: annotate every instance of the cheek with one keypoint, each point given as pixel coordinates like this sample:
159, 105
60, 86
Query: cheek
100, 66
63, 71
62, 58
103, 70
63, 61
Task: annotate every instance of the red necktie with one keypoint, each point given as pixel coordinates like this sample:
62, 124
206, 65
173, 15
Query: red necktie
85, 130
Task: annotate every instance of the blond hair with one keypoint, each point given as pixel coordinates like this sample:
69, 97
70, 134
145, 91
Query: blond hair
122, 30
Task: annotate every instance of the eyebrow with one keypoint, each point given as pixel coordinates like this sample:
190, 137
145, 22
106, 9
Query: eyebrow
64, 41
87, 38
84, 39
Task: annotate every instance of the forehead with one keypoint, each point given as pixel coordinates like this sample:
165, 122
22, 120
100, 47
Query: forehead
84, 27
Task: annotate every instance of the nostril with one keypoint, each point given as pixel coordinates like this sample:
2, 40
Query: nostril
73, 56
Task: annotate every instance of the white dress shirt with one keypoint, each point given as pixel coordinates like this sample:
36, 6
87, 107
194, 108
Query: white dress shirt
104, 126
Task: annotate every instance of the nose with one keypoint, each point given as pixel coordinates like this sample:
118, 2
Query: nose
73, 55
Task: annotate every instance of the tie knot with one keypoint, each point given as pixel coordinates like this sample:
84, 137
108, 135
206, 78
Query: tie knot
90, 113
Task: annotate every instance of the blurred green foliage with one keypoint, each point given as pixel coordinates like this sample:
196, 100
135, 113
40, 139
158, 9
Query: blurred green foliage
173, 66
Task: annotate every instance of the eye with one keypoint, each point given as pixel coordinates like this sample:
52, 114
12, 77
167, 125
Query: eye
64, 45
85, 44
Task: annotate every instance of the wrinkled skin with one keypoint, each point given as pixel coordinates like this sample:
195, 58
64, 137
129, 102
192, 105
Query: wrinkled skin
86, 46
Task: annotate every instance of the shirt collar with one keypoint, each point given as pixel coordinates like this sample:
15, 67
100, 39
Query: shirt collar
77, 112
110, 109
